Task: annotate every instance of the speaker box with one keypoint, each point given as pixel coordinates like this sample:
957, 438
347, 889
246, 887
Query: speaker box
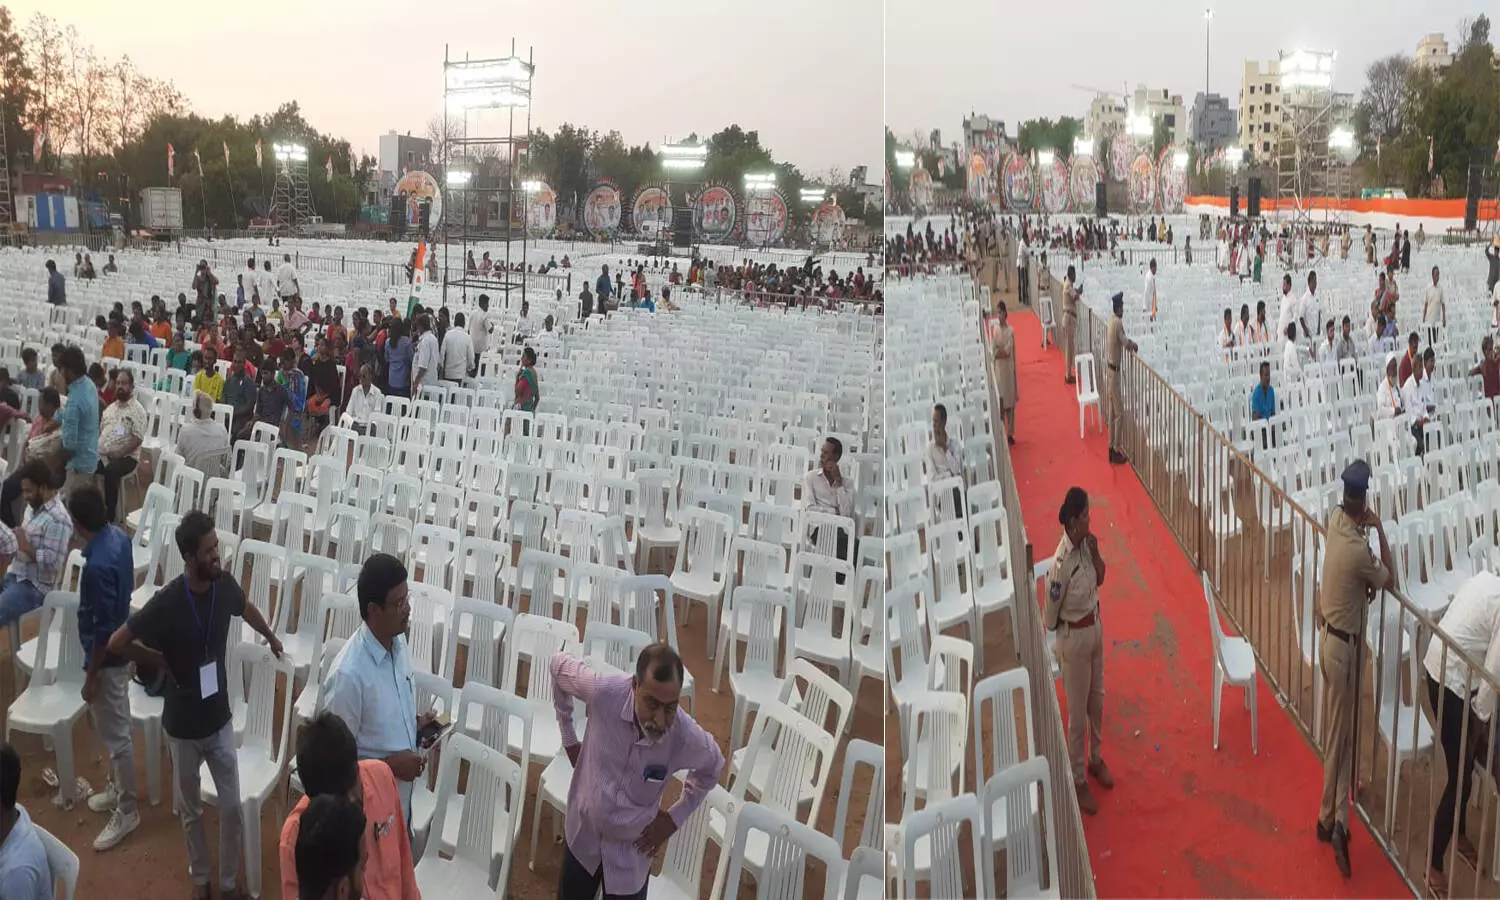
1254, 203
682, 228
1101, 200
1234, 201
1471, 201
398, 214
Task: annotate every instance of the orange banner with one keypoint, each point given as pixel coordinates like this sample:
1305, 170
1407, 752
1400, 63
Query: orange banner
1408, 208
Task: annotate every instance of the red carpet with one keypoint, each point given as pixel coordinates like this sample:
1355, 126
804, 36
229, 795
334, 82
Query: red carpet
1183, 819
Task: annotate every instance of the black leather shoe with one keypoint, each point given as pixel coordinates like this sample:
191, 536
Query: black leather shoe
1325, 833
1117, 457
1341, 849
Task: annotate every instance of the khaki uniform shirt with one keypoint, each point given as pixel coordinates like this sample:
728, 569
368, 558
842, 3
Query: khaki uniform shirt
1072, 584
1114, 343
1350, 571
1069, 299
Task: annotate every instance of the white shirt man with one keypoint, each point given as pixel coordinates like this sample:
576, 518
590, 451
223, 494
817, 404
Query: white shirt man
1472, 623
1389, 401
203, 439
479, 331
24, 872
1291, 359
458, 355
1434, 308
547, 340
525, 326
1311, 313
1418, 396
1228, 340
1289, 310
818, 495
265, 282
1150, 292
286, 280
424, 367
944, 462
364, 402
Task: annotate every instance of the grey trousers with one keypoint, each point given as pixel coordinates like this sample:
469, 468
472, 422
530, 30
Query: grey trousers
218, 751
110, 712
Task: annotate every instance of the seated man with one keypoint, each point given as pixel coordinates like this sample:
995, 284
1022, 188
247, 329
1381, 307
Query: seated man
202, 442
41, 545
1419, 397
24, 872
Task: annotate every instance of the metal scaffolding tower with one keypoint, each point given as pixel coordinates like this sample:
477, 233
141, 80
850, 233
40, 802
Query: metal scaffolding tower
1312, 172
7, 214
486, 196
291, 201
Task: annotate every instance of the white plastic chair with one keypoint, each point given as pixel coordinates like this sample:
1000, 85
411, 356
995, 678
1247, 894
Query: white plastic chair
53, 699
933, 834
766, 618
994, 588
1005, 797
872, 834
1234, 662
681, 875
1088, 391
702, 566
61, 862
494, 794
788, 845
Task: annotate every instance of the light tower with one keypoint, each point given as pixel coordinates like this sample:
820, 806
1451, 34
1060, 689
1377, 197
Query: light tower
1304, 159
291, 202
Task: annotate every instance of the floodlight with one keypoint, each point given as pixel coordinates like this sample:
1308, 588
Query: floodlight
532, 186
289, 152
487, 72
498, 96
1341, 139
1045, 157
1138, 125
671, 163
458, 178
1234, 156
684, 151
813, 195
762, 181
905, 159
1180, 159
1208, 14
1083, 146
1307, 69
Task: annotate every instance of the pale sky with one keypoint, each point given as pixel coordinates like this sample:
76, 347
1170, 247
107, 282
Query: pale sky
1016, 60
806, 75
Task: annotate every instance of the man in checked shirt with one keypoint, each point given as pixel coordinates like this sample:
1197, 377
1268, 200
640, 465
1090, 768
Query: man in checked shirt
636, 739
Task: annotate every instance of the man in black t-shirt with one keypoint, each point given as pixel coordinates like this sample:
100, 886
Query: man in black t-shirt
184, 631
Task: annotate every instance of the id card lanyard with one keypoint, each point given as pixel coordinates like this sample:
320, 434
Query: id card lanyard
208, 672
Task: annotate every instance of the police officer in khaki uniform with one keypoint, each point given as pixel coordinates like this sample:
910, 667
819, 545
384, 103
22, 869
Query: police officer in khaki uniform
1115, 345
1072, 610
1069, 323
1351, 579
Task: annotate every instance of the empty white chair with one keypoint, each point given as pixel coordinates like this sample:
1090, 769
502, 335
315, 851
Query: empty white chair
1088, 391
682, 865
1234, 662
62, 863
786, 846
934, 834
702, 566
766, 619
53, 699
1028, 836
494, 794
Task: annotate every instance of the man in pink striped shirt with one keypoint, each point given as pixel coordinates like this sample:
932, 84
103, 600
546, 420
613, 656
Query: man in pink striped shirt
637, 738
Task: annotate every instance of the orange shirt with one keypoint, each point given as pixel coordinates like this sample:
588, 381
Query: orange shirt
114, 348
390, 873
162, 331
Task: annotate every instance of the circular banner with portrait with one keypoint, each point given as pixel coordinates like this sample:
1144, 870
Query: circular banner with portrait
1122, 152
765, 218
827, 225
418, 189
1142, 184
1053, 185
651, 211
1018, 184
980, 188
1085, 175
601, 210
541, 210
716, 214
921, 187
1171, 181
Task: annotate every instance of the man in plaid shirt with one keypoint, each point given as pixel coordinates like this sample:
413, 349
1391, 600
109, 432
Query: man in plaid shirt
41, 545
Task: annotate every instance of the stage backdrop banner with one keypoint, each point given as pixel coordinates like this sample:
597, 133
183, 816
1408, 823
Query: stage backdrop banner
981, 187
1085, 176
828, 223
766, 219
541, 211
416, 187
651, 211
1122, 152
716, 213
1052, 180
1142, 185
1018, 183
921, 187
601, 210
1171, 181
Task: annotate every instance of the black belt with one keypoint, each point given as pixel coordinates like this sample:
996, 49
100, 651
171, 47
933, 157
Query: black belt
1085, 622
1113, 366
1339, 633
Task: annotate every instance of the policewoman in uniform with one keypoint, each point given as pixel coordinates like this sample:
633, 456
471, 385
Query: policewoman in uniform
1115, 345
1069, 323
1072, 610
1352, 577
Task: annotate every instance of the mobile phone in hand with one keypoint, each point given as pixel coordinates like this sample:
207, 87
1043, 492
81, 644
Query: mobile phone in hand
428, 735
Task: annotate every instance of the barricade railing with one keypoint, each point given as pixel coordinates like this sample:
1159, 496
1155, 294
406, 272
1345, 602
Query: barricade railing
1262, 553
1074, 872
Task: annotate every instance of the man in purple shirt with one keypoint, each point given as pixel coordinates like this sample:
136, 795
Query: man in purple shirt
636, 739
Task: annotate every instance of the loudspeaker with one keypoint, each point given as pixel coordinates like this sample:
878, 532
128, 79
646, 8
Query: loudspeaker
425, 213
682, 228
1254, 211
1101, 200
1471, 202
1234, 201
398, 213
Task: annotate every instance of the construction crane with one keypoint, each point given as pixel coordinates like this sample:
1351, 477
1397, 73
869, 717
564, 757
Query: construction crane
1124, 94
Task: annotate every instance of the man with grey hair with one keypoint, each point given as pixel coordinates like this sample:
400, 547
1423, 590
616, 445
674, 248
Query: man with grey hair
203, 442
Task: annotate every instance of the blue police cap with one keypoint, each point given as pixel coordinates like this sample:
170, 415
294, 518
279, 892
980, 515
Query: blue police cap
1118, 298
1357, 477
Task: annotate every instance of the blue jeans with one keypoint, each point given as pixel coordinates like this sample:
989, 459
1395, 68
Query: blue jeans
17, 598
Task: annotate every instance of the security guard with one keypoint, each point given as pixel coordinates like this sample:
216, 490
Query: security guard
1072, 610
1069, 323
1115, 345
1351, 579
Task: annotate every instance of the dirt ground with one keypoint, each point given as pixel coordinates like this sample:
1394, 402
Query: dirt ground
152, 862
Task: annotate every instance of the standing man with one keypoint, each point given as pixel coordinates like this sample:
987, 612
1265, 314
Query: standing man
122, 428
637, 737
57, 286
369, 685
1352, 577
1434, 309
1023, 259
1310, 309
427, 358
103, 606
1069, 323
287, 283
1150, 290
1007, 388
80, 421
479, 331
1115, 345
604, 288
41, 546
1072, 610
1492, 256
458, 352
183, 632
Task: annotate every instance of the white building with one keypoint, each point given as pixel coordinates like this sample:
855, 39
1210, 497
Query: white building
1433, 53
1106, 116
1297, 78
1158, 105
398, 153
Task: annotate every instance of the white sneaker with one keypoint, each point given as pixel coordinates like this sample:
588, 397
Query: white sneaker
116, 829
106, 800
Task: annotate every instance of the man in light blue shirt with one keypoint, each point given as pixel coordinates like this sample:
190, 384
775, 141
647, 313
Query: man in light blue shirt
370, 683
80, 420
24, 873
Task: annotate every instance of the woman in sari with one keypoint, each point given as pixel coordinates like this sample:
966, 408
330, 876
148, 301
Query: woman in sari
527, 389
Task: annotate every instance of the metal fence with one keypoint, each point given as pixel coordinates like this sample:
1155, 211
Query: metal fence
1262, 555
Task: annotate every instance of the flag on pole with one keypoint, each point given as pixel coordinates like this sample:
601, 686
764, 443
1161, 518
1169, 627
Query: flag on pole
1429, 154
328, 167
171, 161
226, 153
1377, 149
259, 159
200, 161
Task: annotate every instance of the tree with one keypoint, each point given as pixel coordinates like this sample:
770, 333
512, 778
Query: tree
1045, 134
1384, 101
44, 46
1458, 112
17, 92
562, 159
443, 132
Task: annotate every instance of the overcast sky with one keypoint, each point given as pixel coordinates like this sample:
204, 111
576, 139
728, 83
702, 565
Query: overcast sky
1016, 60
806, 75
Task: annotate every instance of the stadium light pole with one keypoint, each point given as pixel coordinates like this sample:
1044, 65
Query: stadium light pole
1208, 21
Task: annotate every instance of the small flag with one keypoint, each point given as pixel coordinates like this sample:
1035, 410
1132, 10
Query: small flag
200, 162
1377, 149
259, 159
226, 153
328, 167
171, 161
1429, 154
